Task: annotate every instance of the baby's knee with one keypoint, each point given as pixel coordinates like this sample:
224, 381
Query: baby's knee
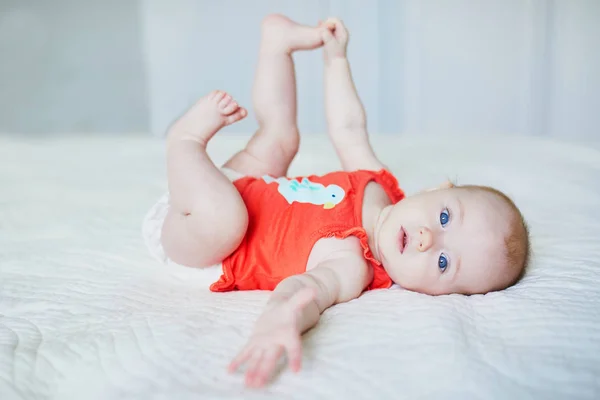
289, 144
283, 141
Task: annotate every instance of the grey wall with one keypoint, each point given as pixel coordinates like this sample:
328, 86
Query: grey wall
421, 66
71, 66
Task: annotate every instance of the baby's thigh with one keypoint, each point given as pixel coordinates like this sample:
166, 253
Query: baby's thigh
193, 240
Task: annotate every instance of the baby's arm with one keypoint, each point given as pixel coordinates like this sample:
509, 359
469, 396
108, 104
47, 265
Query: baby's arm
345, 113
294, 307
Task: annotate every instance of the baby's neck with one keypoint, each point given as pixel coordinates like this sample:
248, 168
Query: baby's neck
375, 209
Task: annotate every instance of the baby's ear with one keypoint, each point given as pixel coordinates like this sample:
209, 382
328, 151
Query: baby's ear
446, 185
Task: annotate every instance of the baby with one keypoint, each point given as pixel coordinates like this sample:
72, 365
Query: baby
317, 241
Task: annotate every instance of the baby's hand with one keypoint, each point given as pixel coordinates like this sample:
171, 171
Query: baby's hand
335, 38
276, 331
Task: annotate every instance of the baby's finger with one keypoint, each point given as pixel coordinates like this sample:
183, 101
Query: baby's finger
342, 34
334, 24
268, 364
331, 22
294, 352
326, 35
253, 365
241, 358
340, 31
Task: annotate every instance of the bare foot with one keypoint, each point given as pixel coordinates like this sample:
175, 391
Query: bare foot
282, 34
211, 113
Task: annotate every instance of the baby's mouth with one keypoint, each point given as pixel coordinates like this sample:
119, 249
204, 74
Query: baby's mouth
402, 240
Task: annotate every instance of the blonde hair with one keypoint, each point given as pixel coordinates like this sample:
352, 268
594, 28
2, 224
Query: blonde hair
517, 241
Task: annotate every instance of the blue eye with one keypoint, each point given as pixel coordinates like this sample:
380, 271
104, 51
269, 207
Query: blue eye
442, 262
444, 217
333, 195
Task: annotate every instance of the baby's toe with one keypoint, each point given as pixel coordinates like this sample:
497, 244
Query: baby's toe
224, 101
228, 106
217, 95
237, 115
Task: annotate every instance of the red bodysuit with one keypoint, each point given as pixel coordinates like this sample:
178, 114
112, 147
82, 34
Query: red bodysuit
287, 216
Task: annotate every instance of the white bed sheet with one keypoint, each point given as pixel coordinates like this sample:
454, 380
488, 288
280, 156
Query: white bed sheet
85, 312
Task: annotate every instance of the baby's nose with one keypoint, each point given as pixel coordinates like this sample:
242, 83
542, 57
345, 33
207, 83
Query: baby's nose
425, 239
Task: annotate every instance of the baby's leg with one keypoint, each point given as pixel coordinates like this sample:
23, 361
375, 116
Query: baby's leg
207, 218
273, 147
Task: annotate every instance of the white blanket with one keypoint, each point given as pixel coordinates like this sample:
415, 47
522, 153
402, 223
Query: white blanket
85, 312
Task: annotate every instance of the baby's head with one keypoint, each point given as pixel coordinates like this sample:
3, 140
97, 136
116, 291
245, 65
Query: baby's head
453, 239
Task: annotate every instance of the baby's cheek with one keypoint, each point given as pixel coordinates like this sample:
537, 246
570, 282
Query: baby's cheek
412, 267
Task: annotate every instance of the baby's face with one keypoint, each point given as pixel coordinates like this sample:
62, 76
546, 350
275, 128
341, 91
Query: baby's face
448, 240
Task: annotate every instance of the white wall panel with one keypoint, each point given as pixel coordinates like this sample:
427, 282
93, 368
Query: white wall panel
525, 67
